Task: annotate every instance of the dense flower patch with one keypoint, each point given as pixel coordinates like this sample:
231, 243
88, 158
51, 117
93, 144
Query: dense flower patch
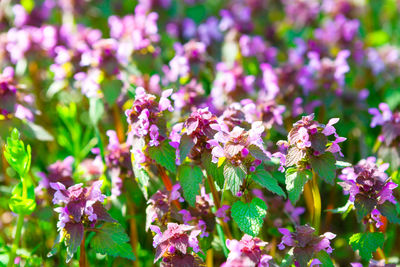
199, 133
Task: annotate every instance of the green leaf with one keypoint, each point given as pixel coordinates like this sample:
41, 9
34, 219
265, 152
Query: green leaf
288, 260
265, 179
111, 239
366, 243
164, 154
73, 238
364, 205
257, 153
23, 202
142, 177
389, 210
295, 181
212, 169
342, 164
324, 166
37, 131
16, 155
190, 177
112, 90
234, 176
325, 259
96, 110
249, 216
345, 210
185, 146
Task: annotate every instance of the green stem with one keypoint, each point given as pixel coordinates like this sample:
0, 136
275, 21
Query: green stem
17, 237
222, 238
317, 202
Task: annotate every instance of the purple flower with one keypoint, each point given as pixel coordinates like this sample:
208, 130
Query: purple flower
82, 209
160, 204
247, 252
222, 213
305, 243
176, 238
381, 115
60, 171
368, 183
308, 138
235, 144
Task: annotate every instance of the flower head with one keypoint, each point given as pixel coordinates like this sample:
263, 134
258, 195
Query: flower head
305, 243
249, 251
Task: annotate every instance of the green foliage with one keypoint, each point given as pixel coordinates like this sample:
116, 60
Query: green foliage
234, 176
265, 179
389, 210
364, 205
22, 200
249, 216
17, 155
212, 169
324, 166
295, 181
186, 144
164, 154
366, 243
190, 177
112, 90
325, 259
142, 177
111, 239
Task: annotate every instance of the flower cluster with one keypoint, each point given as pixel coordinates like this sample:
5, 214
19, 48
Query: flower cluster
172, 245
239, 146
145, 121
249, 251
201, 215
305, 243
307, 139
368, 186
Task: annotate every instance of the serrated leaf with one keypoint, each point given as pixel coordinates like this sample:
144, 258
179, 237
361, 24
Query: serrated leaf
111, 239
364, 205
325, 259
142, 177
295, 181
324, 166
265, 179
217, 173
190, 177
249, 216
257, 153
366, 243
318, 142
17, 155
73, 238
234, 176
164, 154
185, 146
294, 155
389, 210
23, 202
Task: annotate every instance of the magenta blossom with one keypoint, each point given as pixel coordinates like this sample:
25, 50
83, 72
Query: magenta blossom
305, 243
175, 241
249, 251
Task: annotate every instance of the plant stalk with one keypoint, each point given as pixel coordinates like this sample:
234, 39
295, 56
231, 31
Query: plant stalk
82, 255
17, 237
317, 203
